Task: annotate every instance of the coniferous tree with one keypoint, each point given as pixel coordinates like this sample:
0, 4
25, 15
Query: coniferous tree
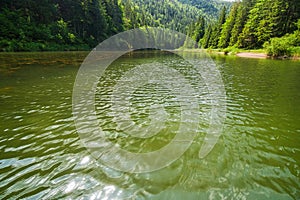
207, 37
114, 16
199, 29
228, 26
216, 31
248, 37
241, 18
268, 19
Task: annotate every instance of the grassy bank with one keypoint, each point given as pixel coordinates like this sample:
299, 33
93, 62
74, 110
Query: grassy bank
234, 51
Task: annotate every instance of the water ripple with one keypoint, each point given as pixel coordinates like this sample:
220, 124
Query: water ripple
42, 156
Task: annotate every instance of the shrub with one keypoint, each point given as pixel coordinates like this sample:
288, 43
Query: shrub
278, 47
231, 50
296, 51
285, 46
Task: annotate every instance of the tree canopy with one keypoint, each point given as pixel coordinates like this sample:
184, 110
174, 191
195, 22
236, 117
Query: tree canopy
251, 23
28, 25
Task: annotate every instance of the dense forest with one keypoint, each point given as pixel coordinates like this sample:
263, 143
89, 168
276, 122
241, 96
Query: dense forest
253, 24
28, 25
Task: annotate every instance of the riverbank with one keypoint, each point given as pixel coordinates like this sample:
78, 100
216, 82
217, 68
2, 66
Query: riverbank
264, 56
240, 53
252, 55
257, 53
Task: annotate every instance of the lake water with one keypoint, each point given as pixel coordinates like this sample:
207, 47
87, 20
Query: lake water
42, 156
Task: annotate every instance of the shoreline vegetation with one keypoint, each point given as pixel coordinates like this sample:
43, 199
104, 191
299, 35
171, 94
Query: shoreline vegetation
271, 25
247, 28
52, 25
257, 53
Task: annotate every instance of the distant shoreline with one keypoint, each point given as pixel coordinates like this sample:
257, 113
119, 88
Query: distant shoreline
264, 56
244, 54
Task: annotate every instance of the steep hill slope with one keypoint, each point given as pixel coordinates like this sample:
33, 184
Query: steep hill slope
173, 14
211, 8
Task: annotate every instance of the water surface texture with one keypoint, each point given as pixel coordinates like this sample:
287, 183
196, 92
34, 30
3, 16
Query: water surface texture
42, 156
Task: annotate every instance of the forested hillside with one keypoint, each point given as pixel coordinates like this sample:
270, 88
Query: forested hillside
173, 14
167, 13
30, 25
254, 24
211, 8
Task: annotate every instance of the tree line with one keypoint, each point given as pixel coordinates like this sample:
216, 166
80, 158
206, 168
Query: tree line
30, 25
253, 24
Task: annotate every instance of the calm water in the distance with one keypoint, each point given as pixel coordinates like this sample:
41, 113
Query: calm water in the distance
42, 157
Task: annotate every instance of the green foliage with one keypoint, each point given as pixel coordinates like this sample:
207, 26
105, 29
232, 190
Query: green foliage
278, 47
206, 38
28, 25
168, 14
268, 19
228, 26
210, 8
213, 32
231, 50
285, 46
216, 33
57, 25
295, 51
241, 18
196, 31
254, 23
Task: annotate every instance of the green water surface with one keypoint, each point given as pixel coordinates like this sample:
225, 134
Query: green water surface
42, 156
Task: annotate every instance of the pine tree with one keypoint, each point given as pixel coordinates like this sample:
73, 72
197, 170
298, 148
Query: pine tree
292, 15
267, 19
241, 18
114, 16
199, 29
196, 30
248, 38
228, 26
205, 41
216, 31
